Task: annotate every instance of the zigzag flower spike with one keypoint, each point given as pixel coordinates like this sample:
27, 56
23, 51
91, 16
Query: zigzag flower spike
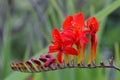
48, 63
68, 43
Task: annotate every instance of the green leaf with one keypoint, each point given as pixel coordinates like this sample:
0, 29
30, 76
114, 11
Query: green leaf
6, 44
108, 10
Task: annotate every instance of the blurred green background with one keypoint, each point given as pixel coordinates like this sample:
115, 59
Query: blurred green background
25, 31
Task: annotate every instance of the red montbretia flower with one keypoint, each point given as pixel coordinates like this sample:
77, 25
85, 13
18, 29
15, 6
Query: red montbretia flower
61, 46
93, 27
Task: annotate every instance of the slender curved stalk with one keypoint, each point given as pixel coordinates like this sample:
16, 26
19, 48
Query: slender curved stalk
35, 66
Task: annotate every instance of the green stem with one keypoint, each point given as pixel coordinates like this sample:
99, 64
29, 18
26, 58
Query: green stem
6, 42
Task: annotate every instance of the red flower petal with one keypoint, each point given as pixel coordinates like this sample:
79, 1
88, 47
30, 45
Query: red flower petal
68, 34
70, 50
79, 21
93, 24
94, 40
60, 57
85, 32
68, 42
53, 49
83, 37
56, 35
68, 37
84, 40
67, 23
